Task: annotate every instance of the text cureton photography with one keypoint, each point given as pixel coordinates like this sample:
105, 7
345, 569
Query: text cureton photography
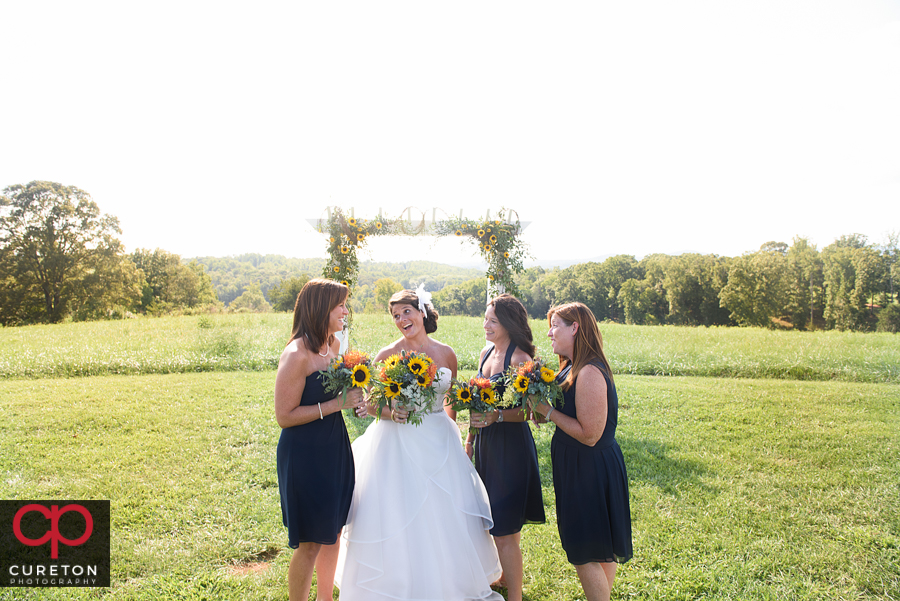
54, 543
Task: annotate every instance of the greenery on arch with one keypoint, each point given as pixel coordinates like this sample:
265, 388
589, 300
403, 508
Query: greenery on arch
497, 240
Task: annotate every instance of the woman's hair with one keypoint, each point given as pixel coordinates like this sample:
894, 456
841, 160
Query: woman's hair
315, 301
408, 297
588, 346
513, 317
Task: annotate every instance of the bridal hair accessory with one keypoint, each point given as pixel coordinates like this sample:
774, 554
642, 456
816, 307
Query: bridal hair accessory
424, 298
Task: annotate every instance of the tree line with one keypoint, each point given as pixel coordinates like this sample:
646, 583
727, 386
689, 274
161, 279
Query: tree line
60, 258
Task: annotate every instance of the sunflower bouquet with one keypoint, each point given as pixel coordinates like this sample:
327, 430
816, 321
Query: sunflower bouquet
406, 380
353, 369
531, 383
477, 394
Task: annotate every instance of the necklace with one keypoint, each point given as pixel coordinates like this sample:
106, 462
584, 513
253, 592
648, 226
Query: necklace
325, 354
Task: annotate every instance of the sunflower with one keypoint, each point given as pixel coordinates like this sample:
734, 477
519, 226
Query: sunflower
487, 248
361, 376
391, 361
352, 222
506, 255
481, 233
458, 233
391, 389
360, 237
520, 384
417, 366
464, 395
378, 225
337, 269
487, 395
345, 249
423, 380
345, 283
493, 239
547, 374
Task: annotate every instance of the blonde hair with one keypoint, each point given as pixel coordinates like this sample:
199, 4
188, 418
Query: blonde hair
588, 345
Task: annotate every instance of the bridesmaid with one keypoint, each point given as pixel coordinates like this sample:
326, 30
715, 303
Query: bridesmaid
314, 460
589, 477
504, 451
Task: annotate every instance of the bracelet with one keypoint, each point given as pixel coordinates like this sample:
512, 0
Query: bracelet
500, 416
547, 417
320, 411
468, 443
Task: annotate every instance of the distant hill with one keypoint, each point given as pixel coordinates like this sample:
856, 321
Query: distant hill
232, 275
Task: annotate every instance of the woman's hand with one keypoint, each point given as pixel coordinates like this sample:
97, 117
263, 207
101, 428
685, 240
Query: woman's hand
399, 415
357, 402
483, 420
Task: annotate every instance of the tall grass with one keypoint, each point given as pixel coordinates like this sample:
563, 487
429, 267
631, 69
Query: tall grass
740, 488
254, 342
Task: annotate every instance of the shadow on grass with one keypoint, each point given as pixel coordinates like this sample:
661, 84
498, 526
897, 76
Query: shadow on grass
647, 461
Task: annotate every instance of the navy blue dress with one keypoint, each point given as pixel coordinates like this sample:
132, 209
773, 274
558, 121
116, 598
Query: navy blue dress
506, 459
591, 484
316, 473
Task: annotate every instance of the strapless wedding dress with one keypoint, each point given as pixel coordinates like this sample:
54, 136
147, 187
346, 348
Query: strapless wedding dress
420, 516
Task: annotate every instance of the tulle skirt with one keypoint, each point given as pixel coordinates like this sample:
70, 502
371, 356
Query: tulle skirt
419, 521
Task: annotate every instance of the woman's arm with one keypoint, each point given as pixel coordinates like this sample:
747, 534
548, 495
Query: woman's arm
290, 380
591, 405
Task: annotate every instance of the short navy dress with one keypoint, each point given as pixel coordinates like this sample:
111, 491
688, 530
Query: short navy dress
506, 459
592, 507
316, 473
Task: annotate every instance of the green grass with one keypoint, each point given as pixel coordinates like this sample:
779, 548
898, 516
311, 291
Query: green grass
741, 489
254, 342
769, 487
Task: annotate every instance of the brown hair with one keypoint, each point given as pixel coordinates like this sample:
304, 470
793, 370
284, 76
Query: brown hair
408, 297
316, 300
514, 318
588, 344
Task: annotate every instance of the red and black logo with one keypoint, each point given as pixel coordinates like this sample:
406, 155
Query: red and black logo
54, 543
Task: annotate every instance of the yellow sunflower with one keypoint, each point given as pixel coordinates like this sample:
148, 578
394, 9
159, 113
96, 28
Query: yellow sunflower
378, 225
391, 389
487, 248
547, 374
345, 283
423, 380
360, 237
520, 384
464, 395
337, 269
361, 376
488, 396
391, 361
493, 239
352, 222
481, 233
345, 249
506, 255
417, 366
458, 233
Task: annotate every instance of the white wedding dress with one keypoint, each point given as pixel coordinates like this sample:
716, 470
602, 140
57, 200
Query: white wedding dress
420, 516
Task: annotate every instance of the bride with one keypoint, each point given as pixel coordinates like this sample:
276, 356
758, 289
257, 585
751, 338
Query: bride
420, 517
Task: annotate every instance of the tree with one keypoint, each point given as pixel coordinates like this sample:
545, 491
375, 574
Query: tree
852, 273
172, 284
755, 291
251, 301
384, 290
283, 296
804, 283
54, 238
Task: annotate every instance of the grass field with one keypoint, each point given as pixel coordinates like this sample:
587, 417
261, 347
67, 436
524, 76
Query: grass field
741, 488
254, 342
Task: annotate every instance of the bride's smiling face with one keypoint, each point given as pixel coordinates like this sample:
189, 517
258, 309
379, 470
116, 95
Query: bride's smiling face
408, 319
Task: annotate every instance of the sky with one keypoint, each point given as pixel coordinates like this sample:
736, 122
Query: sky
628, 127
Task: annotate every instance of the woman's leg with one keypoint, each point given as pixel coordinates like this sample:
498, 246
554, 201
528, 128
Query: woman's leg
300, 572
597, 580
511, 561
326, 564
